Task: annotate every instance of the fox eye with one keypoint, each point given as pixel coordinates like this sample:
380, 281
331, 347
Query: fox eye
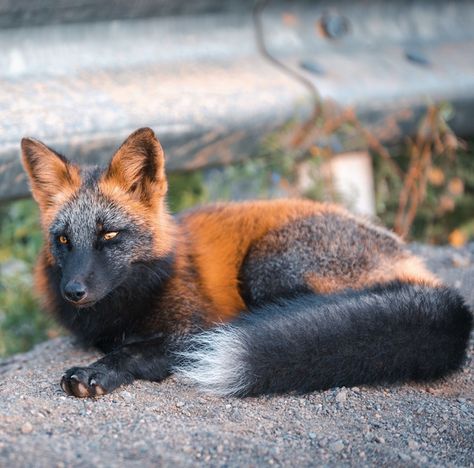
63, 239
109, 235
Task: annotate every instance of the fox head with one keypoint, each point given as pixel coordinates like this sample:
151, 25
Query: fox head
98, 223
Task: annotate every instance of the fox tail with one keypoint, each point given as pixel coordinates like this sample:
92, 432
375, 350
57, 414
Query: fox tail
389, 333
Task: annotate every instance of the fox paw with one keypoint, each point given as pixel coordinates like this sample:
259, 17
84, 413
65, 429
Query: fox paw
85, 382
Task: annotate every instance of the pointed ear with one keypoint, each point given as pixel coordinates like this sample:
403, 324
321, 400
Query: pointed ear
138, 167
52, 177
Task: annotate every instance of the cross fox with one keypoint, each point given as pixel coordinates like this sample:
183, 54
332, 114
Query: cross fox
238, 298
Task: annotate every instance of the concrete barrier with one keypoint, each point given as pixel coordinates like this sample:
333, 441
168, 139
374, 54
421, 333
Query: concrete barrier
195, 74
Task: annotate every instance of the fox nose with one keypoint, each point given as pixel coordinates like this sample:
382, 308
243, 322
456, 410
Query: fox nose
75, 291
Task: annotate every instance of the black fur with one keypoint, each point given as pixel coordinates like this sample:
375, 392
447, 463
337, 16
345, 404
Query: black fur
147, 359
122, 315
99, 265
331, 246
391, 333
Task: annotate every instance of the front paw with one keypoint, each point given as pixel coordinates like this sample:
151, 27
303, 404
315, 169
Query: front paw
88, 382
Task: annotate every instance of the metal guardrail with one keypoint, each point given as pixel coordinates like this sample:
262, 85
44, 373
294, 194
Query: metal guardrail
82, 83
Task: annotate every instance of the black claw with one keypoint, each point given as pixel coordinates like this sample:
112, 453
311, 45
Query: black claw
92, 381
84, 382
65, 385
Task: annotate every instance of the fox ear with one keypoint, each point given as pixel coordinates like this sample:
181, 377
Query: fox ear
52, 177
138, 167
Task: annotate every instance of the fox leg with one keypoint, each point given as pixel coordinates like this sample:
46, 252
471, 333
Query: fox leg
148, 360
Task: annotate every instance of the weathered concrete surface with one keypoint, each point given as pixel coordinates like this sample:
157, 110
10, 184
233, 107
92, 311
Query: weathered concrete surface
149, 424
21, 13
202, 84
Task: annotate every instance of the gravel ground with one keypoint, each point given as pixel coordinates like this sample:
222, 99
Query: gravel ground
150, 424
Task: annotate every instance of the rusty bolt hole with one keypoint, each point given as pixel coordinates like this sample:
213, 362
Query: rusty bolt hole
333, 25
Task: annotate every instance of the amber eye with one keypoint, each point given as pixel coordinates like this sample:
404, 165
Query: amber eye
109, 235
63, 240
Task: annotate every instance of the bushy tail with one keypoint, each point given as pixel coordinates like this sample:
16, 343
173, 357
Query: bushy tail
390, 333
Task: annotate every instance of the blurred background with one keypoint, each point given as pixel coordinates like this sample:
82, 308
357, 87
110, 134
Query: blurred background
366, 103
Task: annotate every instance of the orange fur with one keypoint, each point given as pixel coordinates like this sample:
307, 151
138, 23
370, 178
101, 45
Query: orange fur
42, 285
129, 169
155, 218
53, 180
413, 270
142, 196
220, 235
409, 269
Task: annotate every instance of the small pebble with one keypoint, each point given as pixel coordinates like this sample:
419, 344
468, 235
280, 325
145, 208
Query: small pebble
412, 445
420, 457
27, 428
404, 457
127, 396
341, 397
337, 446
